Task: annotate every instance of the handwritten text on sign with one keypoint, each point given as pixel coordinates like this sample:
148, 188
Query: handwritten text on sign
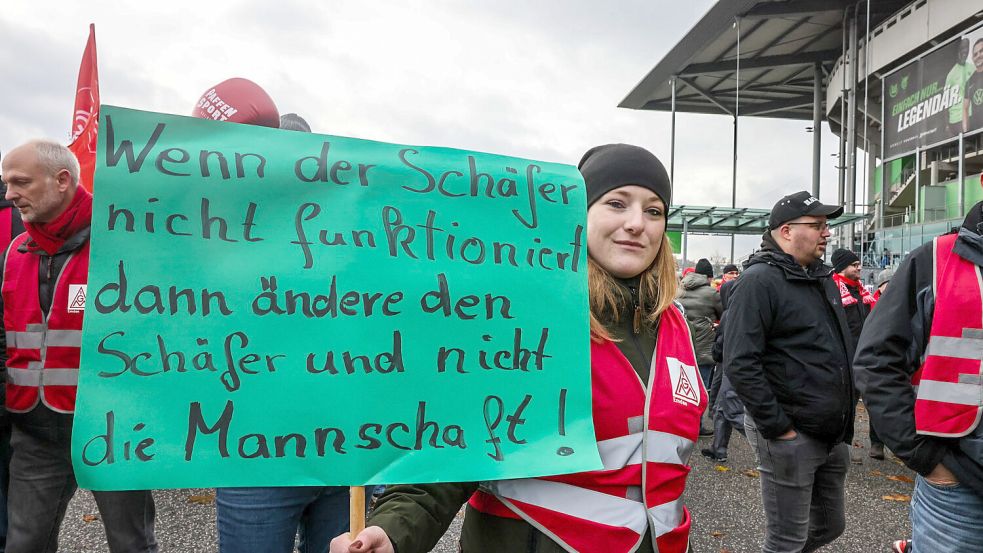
277, 308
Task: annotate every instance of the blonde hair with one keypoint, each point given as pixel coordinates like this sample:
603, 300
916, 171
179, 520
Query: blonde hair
657, 288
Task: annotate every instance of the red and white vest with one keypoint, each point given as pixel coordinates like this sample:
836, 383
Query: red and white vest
949, 399
42, 352
644, 438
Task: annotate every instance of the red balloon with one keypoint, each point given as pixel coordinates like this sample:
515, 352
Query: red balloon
239, 101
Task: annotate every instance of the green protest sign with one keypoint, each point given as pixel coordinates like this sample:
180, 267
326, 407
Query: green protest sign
275, 308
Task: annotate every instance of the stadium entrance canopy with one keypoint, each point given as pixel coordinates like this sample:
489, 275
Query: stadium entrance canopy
764, 58
692, 219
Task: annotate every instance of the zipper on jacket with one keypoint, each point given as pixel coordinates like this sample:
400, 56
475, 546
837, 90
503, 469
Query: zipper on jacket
637, 325
46, 317
636, 321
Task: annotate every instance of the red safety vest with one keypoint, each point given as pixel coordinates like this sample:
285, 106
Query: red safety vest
949, 399
644, 438
42, 352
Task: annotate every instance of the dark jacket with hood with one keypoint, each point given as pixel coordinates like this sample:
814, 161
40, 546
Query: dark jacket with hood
890, 350
701, 304
788, 349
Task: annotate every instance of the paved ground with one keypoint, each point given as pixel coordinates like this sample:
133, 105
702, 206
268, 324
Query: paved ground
726, 503
724, 499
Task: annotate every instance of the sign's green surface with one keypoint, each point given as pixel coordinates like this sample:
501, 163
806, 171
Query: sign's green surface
275, 308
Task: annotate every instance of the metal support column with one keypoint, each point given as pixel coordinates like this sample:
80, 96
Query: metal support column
850, 196
817, 121
962, 177
841, 158
672, 139
737, 106
885, 193
915, 219
733, 185
685, 238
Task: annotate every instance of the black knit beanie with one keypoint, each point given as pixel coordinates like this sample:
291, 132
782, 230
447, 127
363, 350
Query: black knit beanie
841, 259
704, 268
615, 165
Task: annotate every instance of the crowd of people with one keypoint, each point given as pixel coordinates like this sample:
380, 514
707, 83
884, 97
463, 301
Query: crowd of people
781, 351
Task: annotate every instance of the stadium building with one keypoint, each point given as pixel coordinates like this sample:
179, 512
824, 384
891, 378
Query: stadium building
899, 82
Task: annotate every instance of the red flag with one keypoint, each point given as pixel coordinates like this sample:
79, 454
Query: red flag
85, 122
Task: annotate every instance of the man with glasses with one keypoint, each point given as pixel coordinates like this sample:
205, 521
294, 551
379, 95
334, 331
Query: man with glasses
787, 353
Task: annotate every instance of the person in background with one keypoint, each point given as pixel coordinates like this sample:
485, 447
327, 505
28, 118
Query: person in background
294, 122
883, 278
730, 273
787, 351
635, 502
270, 519
857, 303
43, 337
726, 406
701, 305
918, 367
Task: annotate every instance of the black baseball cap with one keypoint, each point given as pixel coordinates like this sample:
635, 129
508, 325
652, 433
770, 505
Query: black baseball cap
796, 205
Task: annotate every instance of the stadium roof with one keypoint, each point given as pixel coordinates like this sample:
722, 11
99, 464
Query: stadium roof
781, 42
728, 220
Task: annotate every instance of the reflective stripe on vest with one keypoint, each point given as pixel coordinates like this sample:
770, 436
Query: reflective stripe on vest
34, 339
666, 517
574, 501
35, 376
970, 346
950, 392
583, 503
650, 431
949, 383
660, 447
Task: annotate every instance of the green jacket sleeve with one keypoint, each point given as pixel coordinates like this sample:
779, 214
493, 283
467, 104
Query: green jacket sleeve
415, 516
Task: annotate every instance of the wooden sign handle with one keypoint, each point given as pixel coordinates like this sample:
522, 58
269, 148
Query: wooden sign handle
357, 510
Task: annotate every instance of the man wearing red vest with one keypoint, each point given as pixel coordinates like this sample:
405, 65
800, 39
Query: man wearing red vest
45, 272
918, 367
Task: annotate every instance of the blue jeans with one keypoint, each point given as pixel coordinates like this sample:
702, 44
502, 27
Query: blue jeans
267, 520
945, 518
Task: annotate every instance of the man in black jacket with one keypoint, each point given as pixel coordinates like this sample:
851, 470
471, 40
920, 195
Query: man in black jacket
787, 353
929, 333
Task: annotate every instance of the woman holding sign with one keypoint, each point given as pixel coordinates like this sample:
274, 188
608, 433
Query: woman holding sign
647, 403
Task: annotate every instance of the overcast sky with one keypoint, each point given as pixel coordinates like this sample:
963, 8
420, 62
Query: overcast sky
535, 79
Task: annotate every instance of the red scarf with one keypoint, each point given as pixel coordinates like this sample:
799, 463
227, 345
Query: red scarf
846, 297
52, 235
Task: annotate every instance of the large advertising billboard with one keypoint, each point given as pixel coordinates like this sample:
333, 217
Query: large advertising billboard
934, 98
